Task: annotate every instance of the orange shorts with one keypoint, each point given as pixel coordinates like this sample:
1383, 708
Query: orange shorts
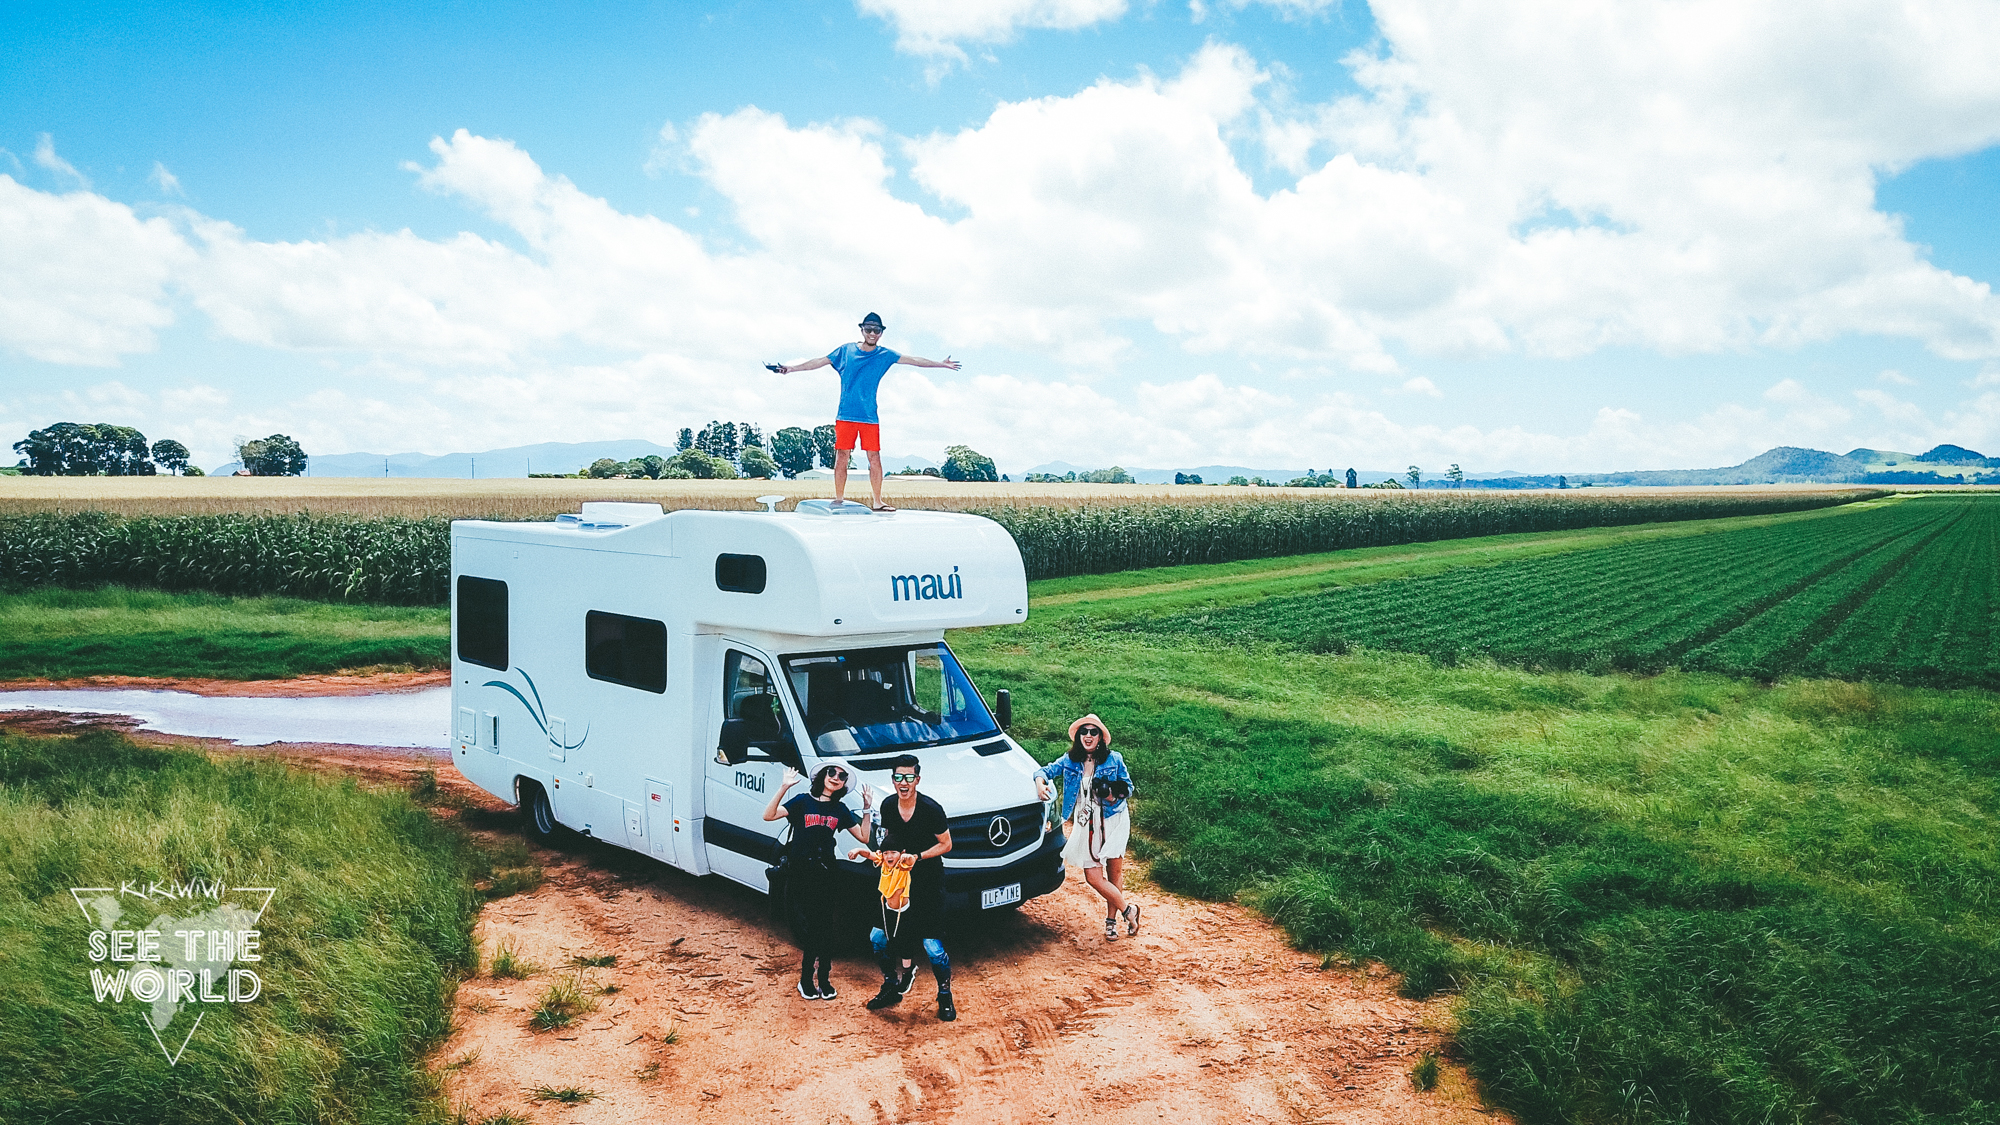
846, 434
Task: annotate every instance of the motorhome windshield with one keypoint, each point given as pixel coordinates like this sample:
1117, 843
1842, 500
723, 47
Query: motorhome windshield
886, 699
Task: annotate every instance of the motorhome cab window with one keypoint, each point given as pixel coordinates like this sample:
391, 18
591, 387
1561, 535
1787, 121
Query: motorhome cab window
481, 619
886, 699
625, 650
749, 694
742, 574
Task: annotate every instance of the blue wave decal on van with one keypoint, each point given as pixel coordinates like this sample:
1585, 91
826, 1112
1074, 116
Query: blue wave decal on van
536, 710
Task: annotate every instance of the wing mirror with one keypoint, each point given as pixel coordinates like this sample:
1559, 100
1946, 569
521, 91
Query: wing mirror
735, 745
1003, 707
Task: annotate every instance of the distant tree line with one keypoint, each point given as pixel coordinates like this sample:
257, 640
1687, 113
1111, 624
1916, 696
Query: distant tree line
733, 450
80, 449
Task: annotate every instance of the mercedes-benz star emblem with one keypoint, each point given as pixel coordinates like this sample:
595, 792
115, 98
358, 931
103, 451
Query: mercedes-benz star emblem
1000, 831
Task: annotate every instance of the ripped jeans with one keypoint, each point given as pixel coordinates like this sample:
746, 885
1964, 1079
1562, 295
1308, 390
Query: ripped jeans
933, 949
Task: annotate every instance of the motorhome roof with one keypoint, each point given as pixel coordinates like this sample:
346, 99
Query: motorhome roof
814, 574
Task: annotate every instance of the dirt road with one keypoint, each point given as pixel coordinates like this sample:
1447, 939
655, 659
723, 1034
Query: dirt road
1207, 1015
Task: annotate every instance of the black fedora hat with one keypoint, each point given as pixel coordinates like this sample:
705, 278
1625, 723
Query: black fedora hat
870, 321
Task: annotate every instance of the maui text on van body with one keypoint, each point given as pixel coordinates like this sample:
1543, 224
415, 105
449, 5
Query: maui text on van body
925, 587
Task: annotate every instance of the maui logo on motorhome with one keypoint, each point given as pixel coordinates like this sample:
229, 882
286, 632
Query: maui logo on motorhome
925, 587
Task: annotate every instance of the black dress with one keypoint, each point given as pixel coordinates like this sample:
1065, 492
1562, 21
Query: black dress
925, 917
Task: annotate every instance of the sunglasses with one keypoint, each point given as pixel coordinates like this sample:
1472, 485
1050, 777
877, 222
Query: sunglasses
836, 775
900, 777
871, 331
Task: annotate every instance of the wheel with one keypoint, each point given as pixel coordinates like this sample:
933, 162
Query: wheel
540, 817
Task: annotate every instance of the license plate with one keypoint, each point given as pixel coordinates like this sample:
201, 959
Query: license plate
999, 896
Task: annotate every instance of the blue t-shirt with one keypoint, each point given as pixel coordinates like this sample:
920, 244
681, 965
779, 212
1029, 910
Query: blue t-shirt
860, 373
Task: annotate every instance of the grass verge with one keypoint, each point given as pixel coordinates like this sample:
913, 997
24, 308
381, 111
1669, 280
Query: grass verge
1673, 898
361, 945
111, 631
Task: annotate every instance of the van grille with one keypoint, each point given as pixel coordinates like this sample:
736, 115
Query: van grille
969, 834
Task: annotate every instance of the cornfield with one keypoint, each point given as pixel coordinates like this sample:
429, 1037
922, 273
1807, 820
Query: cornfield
406, 561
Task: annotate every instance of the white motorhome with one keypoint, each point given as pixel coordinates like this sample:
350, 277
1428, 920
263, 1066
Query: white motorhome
644, 678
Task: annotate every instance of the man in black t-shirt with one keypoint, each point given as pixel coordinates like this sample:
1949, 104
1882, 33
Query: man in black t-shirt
914, 825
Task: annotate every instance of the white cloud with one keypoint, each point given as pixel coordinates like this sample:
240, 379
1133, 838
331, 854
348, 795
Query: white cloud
168, 183
1670, 177
45, 155
1897, 378
85, 279
937, 27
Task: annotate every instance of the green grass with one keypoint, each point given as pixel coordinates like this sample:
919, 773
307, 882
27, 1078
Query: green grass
1679, 897
59, 633
1758, 599
362, 943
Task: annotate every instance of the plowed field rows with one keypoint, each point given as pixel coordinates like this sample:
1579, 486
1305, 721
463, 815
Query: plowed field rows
1907, 592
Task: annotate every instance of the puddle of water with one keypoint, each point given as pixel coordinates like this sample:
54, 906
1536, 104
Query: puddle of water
399, 719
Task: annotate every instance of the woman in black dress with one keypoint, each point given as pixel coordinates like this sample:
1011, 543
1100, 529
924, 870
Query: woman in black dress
815, 817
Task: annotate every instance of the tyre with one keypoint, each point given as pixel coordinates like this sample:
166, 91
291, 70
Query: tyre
538, 815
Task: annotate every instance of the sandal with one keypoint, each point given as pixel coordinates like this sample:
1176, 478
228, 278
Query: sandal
1131, 919
881, 509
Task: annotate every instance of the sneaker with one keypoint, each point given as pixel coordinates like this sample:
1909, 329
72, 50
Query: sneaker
1131, 918
826, 990
1111, 929
947, 1011
888, 997
810, 991
908, 978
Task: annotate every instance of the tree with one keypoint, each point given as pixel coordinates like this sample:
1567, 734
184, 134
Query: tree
792, 448
964, 463
823, 439
701, 465
748, 435
604, 468
1352, 480
1416, 476
71, 449
1457, 475
170, 455
718, 439
686, 439
1239, 480
1562, 482
757, 463
1113, 475
274, 456
193, 471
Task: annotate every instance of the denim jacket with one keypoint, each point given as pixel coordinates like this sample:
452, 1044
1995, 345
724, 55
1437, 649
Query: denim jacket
1071, 774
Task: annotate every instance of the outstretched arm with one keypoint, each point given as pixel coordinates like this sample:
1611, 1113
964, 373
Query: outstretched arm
808, 365
920, 361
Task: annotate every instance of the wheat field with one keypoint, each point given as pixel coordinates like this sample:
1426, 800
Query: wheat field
522, 498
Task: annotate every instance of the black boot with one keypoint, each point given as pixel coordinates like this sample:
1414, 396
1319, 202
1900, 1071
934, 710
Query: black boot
826, 989
947, 1011
891, 995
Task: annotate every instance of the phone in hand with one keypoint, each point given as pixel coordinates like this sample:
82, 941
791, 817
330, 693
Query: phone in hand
775, 367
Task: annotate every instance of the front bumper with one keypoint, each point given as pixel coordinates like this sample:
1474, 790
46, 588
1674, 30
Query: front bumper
1038, 872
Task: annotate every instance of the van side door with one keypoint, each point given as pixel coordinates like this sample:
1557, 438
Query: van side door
752, 715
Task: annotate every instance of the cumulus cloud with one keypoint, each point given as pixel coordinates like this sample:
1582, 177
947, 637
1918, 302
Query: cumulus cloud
1672, 177
937, 27
86, 278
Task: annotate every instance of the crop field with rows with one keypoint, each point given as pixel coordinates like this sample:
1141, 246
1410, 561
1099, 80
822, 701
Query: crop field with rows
1907, 592
403, 560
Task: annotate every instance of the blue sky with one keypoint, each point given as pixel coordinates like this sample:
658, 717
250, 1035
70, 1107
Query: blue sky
1267, 232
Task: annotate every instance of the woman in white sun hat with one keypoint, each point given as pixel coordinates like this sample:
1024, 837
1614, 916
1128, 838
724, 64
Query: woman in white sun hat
1096, 787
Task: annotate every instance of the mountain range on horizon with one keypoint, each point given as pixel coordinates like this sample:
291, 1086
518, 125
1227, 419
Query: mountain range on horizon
1947, 464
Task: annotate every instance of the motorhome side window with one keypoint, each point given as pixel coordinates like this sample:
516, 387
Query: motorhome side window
749, 694
481, 619
625, 650
742, 574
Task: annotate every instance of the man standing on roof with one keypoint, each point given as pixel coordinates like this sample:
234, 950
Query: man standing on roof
861, 368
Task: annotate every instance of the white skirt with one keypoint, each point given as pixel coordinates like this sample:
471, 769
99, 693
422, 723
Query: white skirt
1117, 830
